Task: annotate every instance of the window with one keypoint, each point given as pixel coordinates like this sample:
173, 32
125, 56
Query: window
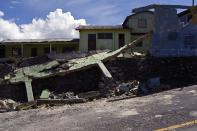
16, 51
142, 23
172, 36
46, 50
189, 41
105, 35
68, 49
54, 49
33, 52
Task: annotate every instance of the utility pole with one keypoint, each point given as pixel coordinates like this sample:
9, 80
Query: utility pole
193, 2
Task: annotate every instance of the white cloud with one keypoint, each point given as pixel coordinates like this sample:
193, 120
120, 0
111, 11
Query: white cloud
1, 14
56, 25
15, 2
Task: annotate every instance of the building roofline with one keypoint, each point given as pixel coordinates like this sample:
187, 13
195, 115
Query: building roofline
40, 40
128, 17
185, 12
153, 6
100, 27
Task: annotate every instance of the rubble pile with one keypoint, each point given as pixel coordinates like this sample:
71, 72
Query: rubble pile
130, 88
5, 68
32, 61
124, 71
42, 81
7, 105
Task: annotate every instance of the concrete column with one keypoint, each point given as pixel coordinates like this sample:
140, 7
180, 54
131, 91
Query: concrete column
29, 90
114, 41
22, 51
50, 48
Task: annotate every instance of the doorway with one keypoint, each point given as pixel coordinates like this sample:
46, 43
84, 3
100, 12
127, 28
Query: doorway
121, 40
91, 42
2, 51
34, 52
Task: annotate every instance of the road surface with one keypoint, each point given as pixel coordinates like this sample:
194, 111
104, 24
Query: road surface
174, 110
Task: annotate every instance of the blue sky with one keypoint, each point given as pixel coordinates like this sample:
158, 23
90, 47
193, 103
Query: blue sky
103, 12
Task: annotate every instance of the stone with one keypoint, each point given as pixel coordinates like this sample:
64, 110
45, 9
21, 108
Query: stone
45, 94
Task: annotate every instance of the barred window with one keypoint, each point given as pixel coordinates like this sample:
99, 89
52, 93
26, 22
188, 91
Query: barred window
105, 36
16, 51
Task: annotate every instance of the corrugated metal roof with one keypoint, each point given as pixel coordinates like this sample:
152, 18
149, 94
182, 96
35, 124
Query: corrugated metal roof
99, 27
39, 40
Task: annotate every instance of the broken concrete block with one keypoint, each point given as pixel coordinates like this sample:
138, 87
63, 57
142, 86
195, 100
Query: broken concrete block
7, 105
60, 101
154, 82
67, 95
90, 95
124, 88
3, 104
129, 87
45, 94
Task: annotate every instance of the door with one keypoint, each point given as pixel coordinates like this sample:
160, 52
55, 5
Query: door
34, 52
2, 51
91, 42
121, 40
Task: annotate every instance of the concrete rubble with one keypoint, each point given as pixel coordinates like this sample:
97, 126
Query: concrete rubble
45, 81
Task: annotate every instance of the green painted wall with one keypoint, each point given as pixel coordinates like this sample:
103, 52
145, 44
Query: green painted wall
40, 48
8, 50
112, 44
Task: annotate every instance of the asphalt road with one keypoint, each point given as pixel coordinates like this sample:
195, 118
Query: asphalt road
174, 110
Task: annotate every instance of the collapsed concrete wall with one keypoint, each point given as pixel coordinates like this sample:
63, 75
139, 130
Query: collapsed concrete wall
16, 92
77, 82
84, 74
176, 72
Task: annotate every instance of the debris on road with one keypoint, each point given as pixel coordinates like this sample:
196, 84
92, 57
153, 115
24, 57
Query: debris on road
7, 105
60, 101
67, 95
90, 95
127, 88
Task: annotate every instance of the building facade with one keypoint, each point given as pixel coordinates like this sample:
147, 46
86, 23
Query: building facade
102, 37
91, 38
114, 37
140, 24
33, 48
172, 37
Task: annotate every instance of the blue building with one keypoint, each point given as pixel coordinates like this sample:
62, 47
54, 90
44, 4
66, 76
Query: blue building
173, 35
